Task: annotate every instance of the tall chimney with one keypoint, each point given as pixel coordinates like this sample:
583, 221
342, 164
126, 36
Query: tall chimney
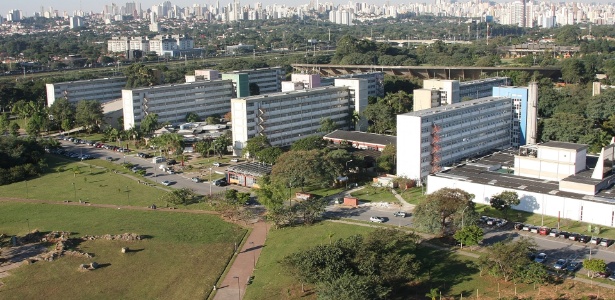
532, 114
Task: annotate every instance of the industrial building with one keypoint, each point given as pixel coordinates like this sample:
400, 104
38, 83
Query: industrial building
289, 116
173, 102
102, 90
555, 179
430, 139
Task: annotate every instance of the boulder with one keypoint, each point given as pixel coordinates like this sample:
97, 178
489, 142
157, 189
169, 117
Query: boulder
125, 249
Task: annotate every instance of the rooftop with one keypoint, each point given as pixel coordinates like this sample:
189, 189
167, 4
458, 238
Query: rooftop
477, 171
363, 137
439, 109
251, 168
564, 145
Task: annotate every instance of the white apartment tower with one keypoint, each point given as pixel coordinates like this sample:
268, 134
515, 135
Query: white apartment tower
433, 138
102, 90
174, 101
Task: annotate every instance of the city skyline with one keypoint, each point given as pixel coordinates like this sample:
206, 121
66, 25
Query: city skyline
30, 7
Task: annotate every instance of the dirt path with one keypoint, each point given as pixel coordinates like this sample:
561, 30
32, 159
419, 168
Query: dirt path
114, 206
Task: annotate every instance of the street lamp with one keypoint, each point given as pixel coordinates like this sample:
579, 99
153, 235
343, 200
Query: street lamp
128, 194
210, 181
238, 287
347, 177
75, 190
253, 254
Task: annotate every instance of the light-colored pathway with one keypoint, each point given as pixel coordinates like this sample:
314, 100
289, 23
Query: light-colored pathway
233, 286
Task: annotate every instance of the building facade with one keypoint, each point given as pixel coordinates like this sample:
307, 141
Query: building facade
290, 116
375, 82
102, 90
525, 100
268, 80
445, 92
430, 139
174, 101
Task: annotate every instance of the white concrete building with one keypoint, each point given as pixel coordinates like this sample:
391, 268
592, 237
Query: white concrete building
437, 92
174, 101
102, 90
358, 95
269, 80
375, 81
430, 139
586, 195
289, 116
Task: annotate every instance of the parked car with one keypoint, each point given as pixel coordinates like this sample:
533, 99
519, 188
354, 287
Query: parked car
171, 162
606, 273
573, 237
595, 240
612, 277
584, 238
564, 234
234, 160
541, 258
518, 226
534, 229
483, 219
491, 221
399, 214
221, 182
574, 266
560, 264
216, 164
376, 219
166, 182
554, 232
109, 158
544, 230
606, 242
171, 172
195, 179
526, 227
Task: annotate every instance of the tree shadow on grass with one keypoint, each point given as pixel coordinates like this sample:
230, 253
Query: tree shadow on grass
439, 269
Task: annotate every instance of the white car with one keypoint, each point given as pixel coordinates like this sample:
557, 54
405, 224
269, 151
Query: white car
166, 182
376, 219
216, 164
234, 160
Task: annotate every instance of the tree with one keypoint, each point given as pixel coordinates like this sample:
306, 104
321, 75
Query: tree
89, 114
183, 196
24, 109
14, 129
269, 155
469, 235
149, 124
347, 286
203, 147
192, 117
4, 123
212, 120
534, 273
508, 259
271, 195
594, 266
255, 145
380, 117
572, 70
138, 75
327, 125
313, 142
220, 144
444, 210
21, 159
601, 107
387, 159
565, 127
63, 113
311, 209
302, 168
504, 201
254, 89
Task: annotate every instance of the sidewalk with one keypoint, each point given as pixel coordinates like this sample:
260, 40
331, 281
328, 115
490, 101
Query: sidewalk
234, 284
403, 202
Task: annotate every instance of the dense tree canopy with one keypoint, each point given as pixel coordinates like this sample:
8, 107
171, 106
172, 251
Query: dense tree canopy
20, 159
444, 210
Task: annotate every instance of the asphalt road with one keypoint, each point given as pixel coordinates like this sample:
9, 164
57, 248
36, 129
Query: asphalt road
153, 172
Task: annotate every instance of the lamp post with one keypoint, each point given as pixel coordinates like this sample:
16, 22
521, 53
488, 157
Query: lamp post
75, 190
347, 177
26, 189
128, 194
253, 254
238, 288
210, 183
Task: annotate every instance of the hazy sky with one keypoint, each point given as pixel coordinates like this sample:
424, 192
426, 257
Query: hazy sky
31, 6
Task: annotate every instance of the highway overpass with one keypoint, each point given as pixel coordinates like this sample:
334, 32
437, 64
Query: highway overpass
426, 72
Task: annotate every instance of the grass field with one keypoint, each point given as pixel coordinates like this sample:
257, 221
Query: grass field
375, 194
271, 281
181, 258
93, 184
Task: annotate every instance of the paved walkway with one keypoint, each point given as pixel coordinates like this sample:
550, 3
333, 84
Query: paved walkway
234, 284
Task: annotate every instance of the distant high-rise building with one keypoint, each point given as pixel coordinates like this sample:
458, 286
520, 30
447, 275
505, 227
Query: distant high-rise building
75, 22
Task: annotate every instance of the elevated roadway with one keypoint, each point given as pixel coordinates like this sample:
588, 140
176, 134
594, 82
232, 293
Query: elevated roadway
426, 72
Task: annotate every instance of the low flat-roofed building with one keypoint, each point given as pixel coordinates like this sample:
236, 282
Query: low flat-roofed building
361, 140
247, 174
578, 196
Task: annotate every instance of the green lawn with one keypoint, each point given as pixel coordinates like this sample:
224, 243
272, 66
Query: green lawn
412, 195
181, 258
90, 184
375, 194
271, 281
